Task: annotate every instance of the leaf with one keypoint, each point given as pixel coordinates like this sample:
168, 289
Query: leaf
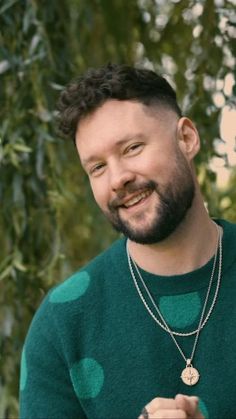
7, 5
22, 147
6, 272
4, 66
18, 265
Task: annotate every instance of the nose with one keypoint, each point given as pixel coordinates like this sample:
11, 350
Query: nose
120, 176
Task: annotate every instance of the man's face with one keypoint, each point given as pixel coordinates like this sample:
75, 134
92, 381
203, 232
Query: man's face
139, 176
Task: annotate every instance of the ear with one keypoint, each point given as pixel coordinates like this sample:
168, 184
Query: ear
188, 138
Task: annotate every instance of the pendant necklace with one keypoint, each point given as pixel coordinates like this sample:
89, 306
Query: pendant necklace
190, 375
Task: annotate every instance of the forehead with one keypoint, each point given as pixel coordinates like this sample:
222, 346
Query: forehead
116, 121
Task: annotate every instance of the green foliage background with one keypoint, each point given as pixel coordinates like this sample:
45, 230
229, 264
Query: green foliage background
49, 223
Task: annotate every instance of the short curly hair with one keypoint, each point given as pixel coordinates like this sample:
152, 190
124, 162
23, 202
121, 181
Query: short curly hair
113, 81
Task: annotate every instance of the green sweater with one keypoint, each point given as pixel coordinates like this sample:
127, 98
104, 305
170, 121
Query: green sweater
93, 351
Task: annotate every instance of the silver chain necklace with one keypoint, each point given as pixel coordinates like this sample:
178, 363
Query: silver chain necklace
190, 375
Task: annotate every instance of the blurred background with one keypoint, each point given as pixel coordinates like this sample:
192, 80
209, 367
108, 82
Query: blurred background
49, 224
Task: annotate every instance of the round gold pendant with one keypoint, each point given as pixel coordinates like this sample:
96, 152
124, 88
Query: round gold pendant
190, 375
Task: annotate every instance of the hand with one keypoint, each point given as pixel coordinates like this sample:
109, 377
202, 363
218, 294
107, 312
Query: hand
181, 407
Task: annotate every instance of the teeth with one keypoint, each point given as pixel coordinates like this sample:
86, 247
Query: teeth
136, 199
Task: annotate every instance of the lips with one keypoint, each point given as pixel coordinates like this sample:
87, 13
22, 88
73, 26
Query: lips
131, 195
136, 199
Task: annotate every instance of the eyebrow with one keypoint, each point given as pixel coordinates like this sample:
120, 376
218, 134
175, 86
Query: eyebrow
117, 144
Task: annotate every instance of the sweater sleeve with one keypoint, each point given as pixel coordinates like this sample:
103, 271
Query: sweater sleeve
46, 390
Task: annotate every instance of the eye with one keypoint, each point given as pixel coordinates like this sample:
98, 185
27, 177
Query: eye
134, 148
97, 169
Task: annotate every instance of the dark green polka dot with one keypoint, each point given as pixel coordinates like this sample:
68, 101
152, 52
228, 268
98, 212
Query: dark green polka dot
180, 310
71, 289
87, 376
203, 409
23, 372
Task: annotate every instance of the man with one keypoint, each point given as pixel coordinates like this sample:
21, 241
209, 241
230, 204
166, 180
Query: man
146, 328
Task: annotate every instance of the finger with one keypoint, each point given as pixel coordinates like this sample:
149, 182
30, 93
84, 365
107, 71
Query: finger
144, 414
160, 403
168, 414
187, 403
199, 415
190, 405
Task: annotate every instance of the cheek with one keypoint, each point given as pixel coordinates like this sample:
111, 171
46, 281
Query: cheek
156, 169
154, 160
100, 194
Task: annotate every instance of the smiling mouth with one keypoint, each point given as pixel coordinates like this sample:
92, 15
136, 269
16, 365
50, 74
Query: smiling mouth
137, 199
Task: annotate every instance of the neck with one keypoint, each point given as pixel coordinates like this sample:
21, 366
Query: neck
189, 247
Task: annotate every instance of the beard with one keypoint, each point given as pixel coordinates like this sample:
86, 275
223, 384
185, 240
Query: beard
175, 199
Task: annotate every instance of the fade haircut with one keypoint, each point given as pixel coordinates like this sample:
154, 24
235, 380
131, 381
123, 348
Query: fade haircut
122, 82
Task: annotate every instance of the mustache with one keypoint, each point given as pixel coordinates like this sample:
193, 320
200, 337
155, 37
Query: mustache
128, 189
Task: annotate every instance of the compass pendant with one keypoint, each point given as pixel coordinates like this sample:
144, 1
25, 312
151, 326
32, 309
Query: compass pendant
190, 375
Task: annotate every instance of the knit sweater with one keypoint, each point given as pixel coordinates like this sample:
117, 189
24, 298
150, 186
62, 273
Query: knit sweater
93, 350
